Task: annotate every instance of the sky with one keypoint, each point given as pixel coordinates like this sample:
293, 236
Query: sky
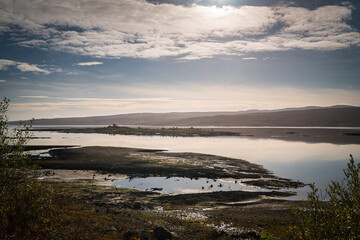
74, 58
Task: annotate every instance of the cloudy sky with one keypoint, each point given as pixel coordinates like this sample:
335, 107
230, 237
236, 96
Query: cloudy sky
84, 58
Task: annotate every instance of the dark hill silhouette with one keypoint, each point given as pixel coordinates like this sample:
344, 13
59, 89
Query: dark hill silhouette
340, 115
334, 117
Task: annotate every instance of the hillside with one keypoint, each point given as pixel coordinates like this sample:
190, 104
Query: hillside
130, 119
346, 116
308, 116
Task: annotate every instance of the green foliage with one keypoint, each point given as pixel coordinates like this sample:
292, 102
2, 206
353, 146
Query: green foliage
267, 236
338, 218
25, 203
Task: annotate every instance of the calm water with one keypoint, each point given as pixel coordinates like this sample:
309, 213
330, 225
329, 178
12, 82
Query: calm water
307, 162
184, 185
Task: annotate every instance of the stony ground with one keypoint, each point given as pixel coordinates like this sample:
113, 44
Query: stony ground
131, 214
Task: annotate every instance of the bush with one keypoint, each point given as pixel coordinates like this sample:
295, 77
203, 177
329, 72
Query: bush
338, 218
25, 203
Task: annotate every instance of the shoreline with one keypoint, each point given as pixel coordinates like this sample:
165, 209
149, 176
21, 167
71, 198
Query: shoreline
309, 135
143, 163
227, 214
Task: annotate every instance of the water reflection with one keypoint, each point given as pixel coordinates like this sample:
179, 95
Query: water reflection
261, 150
307, 162
183, 185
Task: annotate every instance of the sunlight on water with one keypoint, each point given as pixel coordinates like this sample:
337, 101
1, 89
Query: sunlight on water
307, 162
261, 150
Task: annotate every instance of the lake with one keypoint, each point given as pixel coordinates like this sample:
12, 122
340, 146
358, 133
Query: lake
307, 162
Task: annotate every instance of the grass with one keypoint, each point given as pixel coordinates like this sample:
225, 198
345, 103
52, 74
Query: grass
82, 212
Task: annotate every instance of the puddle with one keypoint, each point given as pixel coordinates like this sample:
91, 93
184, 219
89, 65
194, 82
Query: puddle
80, 175
40, 153
45, 152
179, 185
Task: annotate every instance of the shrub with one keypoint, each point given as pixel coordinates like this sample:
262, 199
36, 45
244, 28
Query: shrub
25, 203
337, 218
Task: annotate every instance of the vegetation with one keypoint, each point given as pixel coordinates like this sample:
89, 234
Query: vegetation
338, 218
173, 132
30, 209
25, 203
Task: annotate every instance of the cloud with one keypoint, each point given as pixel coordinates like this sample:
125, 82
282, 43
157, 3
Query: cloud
98, 99
23, 67
188, 97
89, 63
39, 97
101, 105
249, 58
139, 29
2, 81
72, 73
4, 64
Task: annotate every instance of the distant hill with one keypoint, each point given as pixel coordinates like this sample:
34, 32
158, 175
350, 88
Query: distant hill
340, 115
129, 119
324, 117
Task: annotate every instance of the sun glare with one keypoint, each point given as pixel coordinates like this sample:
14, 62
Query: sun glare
219, 11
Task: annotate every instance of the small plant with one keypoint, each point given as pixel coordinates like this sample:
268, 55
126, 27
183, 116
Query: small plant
267, 236
338, 218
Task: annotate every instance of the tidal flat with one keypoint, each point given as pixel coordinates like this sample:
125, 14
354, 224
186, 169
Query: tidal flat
87, 175
144, 163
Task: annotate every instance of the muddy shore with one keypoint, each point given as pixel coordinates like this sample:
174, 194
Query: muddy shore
150, 163
84, 176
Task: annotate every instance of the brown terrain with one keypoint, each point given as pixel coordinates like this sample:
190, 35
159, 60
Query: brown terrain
82, 178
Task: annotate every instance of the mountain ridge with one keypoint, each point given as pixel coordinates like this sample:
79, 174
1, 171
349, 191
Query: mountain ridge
338, 115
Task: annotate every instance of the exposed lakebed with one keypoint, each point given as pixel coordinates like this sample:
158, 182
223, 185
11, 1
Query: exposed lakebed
146, 165
307, 162
136, 174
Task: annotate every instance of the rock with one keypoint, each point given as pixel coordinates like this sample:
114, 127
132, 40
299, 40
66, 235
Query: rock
47, 173
161, 233
129, 235
112, 228
137, 205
